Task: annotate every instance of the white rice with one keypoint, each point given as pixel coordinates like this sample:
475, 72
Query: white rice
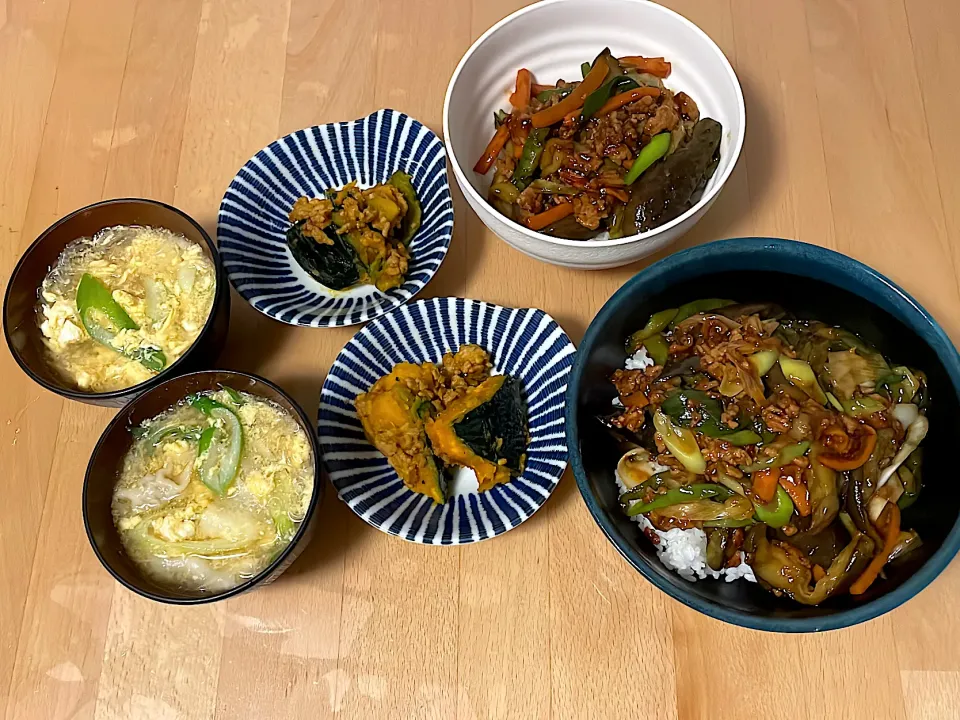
683, 551
640, 360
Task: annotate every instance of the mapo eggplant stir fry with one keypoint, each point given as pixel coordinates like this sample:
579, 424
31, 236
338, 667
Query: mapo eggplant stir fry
793, 444
616, 152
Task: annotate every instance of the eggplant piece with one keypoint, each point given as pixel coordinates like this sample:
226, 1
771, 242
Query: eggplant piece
676, 183
685, 367
779, 567
334, 266
717, 541
626, 439
821, 547
569, 229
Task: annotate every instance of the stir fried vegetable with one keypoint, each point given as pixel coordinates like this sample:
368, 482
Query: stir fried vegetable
353, 236
601, 139
104, 319
221, 444
750, 417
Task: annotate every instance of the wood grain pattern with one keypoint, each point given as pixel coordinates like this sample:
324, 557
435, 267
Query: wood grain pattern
850, 145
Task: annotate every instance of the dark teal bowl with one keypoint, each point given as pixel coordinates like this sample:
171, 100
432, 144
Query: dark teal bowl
812, 282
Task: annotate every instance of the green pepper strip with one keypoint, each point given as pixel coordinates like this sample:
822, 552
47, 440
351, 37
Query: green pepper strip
614, 86
651, 483
561, 91
221, 447
698, 306
657, 348
103, 318
776, 513
685, 494
206, 437
675, 406
648, 155
175, 432
657, 323
530, 159
204, 403
786, 456
585, 68
741, 438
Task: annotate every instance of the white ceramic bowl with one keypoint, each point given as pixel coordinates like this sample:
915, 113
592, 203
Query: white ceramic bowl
552, 38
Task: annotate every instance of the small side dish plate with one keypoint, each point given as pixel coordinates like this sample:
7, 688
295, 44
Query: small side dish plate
253, 219
525, 343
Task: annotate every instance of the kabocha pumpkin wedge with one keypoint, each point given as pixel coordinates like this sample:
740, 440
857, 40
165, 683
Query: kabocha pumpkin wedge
485, 430
392, 418
427, 418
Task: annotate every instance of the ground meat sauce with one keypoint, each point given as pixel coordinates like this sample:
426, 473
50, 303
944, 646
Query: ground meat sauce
767, 447
560, 171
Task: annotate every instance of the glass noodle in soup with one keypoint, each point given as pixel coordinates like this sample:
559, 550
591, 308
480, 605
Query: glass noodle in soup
212, 490
119, 307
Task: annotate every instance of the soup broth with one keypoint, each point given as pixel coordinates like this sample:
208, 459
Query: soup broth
212, 490
119, 307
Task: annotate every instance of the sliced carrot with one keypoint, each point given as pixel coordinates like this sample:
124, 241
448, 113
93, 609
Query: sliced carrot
867, 443
654, 66
549, 217
574, 100
493, 149
520, 99
618, 101
892, 533
765, 483
537, 89
819, 573
797, 490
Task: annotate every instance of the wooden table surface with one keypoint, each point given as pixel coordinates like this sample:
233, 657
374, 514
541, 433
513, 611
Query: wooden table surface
851, 144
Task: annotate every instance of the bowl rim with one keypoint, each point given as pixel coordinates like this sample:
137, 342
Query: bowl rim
704, 202
922, 322
446, 205
167, 372
251, 583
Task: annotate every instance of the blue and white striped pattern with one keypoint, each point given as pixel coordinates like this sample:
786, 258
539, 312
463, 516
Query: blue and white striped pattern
253, 220
527, 344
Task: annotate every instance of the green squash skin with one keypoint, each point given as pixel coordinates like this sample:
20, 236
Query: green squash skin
497, 430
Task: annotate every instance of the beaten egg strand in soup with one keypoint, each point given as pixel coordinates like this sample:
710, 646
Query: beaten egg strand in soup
213, 490
121, 306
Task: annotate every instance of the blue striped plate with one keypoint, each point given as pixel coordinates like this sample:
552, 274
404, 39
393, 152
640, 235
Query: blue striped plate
527, 344
253, 220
